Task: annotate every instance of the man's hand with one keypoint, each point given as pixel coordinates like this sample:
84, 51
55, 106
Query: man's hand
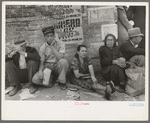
40, 74
131, 22
53, 42
94, 79
16, 49
12, 53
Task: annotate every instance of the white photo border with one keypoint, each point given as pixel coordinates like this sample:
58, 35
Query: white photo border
68, 110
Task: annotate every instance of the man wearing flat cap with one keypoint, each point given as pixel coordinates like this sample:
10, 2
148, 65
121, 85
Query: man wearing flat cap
52, 57
21, 64
130, 49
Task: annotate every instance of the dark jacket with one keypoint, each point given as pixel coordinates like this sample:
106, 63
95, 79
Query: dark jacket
137, 14
107, 55
32, 54
128, 50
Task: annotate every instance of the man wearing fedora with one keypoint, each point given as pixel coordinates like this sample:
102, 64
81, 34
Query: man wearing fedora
52, 57
21, 64
130, 49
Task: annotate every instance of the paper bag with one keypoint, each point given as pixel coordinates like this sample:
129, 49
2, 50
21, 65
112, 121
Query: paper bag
47, 74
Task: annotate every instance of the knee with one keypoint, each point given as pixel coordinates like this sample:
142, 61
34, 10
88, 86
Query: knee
9, 64
32, 63
142, 57
116, 68
138, 60
63, 62
35, 78
137, 57
141, 61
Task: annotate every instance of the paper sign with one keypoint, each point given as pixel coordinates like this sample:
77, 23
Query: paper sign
109, 29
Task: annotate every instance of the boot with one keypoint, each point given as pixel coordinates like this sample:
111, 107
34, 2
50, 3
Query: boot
33, 88
15, 90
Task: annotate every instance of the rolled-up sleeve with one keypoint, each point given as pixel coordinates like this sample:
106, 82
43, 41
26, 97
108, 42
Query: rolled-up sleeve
62, 47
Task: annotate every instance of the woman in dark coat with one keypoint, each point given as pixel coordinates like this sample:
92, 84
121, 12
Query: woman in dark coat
83, 73
112, 63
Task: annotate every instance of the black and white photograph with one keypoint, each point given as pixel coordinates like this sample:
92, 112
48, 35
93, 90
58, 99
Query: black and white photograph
62, 59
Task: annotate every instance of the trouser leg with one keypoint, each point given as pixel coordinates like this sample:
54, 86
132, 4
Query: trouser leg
33, 67
118, 75
12, 72
61, 69
38, 81
138, 60
23, 75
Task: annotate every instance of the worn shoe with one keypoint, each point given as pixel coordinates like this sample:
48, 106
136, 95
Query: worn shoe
112, 86
62, 86
108, 91
15, 90
33, 89
10, 88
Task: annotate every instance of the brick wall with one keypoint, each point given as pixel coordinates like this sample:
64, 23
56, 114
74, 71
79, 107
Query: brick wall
29, 20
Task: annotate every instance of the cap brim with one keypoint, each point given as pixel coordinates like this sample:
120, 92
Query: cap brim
48, 32
136, 35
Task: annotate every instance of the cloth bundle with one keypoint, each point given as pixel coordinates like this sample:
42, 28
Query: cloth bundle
136, 81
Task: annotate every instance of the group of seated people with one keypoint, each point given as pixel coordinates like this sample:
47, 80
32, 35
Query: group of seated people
25, 64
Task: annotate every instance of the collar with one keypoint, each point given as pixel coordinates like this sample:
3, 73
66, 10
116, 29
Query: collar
54, 43
135, 46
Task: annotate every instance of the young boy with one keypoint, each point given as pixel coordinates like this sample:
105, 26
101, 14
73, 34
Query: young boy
52, 54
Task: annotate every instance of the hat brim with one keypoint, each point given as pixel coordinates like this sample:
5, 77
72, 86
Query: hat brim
48, 32
135, 35
21, 44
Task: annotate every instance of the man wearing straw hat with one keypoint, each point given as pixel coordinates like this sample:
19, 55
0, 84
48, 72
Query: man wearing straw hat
21, 64
130, 49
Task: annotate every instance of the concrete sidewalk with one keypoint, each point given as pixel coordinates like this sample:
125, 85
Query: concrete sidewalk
56, 94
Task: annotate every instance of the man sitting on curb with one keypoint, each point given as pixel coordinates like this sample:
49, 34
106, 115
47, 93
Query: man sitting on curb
130, 49
52, 54
21, 64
